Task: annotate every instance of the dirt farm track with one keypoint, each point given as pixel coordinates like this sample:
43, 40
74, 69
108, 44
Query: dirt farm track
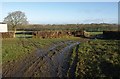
50, 62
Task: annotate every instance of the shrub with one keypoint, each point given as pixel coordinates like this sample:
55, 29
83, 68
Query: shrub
7, 35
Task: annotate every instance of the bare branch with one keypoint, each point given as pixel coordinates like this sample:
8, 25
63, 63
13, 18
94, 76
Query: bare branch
16, 18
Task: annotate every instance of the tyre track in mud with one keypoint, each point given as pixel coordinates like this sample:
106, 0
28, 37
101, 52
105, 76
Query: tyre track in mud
63, 59
20, 65
48, 69
54, 64
48, 63
45, 59
16, 66
11, 68
71, 72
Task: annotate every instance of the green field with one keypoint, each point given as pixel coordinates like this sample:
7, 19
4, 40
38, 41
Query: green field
98, 58
95, 33
15, 48
90, 58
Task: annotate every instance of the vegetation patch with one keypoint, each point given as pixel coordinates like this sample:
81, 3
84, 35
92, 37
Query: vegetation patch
16, 48
98, 58
8, 34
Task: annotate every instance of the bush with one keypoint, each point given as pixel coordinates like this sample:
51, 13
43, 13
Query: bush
7, 34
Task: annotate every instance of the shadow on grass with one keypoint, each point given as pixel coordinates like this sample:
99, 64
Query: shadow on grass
103, 37
25, 37
109, 69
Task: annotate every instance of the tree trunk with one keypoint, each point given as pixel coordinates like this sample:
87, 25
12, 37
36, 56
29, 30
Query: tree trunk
14, 31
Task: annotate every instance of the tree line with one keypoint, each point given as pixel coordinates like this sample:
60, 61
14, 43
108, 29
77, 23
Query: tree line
18, 20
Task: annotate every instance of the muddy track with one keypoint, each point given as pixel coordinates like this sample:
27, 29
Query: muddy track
72, 70
52, 62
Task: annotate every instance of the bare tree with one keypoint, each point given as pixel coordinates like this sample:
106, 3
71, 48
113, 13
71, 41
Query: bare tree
15, 19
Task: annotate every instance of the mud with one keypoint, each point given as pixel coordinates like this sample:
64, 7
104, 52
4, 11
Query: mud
49, 62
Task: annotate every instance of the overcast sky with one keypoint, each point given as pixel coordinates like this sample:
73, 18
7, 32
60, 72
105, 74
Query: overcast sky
64, 12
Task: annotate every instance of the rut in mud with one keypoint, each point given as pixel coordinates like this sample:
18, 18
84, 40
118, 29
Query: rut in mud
50, 62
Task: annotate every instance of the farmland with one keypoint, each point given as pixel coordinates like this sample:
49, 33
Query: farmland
23, 50
76, 57
68, 39
98, 58
12, 47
